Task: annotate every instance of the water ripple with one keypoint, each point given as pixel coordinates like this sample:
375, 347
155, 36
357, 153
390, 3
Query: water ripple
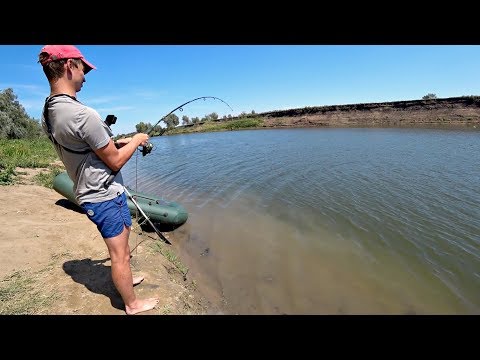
397, 207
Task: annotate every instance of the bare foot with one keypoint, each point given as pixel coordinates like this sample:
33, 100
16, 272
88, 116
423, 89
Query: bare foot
137, 280
141, 305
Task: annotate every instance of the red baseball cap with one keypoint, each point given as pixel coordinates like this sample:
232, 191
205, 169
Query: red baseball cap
57, 52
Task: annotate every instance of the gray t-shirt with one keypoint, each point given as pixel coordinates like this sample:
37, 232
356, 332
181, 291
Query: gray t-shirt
79, 127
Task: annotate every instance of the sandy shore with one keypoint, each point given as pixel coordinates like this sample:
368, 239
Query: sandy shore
49, 241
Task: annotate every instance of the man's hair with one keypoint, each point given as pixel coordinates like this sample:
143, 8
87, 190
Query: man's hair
54, 70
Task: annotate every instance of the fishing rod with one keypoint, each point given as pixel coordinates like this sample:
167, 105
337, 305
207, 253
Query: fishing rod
148, 147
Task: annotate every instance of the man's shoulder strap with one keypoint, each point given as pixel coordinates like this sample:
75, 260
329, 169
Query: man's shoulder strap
49, 129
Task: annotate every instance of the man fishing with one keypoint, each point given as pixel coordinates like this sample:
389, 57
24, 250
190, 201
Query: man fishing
84, 144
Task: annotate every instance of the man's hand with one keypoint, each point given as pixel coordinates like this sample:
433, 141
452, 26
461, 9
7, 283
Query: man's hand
142, 138
115, 157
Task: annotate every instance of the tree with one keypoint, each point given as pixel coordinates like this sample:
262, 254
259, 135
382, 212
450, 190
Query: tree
171, 121
142, 127
14, 121
157, 129
213, 116
429, 96
185, 120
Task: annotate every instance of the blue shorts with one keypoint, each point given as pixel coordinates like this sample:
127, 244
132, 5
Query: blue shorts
110, 216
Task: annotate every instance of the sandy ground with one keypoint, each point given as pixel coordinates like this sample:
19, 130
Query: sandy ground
43, 234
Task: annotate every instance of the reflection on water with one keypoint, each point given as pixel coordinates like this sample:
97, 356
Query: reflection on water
325, 221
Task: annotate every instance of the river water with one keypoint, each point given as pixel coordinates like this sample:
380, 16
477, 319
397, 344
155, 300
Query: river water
325, 221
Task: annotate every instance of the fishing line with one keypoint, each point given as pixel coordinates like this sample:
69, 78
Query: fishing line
146, 149
136, 210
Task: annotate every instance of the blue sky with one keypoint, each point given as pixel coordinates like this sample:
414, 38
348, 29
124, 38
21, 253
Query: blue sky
145, 82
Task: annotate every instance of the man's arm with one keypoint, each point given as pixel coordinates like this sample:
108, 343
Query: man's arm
115, 158
122, 142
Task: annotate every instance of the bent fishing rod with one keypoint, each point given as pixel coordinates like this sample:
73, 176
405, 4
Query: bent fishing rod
181, 108
148, 147
146, 150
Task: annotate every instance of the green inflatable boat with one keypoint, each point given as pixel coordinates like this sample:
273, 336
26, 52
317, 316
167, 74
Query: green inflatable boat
167, 213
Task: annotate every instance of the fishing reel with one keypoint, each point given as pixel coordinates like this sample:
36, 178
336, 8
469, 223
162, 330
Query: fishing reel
147, 149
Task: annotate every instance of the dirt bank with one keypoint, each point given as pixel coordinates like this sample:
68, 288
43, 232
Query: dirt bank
446, 112
53, 261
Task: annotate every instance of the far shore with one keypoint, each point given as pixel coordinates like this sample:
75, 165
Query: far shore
443, 113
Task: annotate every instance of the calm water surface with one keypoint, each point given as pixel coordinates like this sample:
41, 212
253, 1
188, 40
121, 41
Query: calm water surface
325, 221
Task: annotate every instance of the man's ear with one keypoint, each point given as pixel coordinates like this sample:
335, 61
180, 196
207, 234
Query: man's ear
70, 64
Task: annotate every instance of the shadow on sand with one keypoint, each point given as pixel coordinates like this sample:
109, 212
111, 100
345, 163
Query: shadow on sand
96, 277
67, 204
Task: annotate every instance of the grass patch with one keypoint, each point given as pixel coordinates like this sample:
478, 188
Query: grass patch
24, 153
22, 293
46, 178
26, 293
27, 153
170, 256
7, 175
243, 124
211, 126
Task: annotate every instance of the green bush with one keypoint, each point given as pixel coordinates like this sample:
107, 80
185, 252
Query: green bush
6, 175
